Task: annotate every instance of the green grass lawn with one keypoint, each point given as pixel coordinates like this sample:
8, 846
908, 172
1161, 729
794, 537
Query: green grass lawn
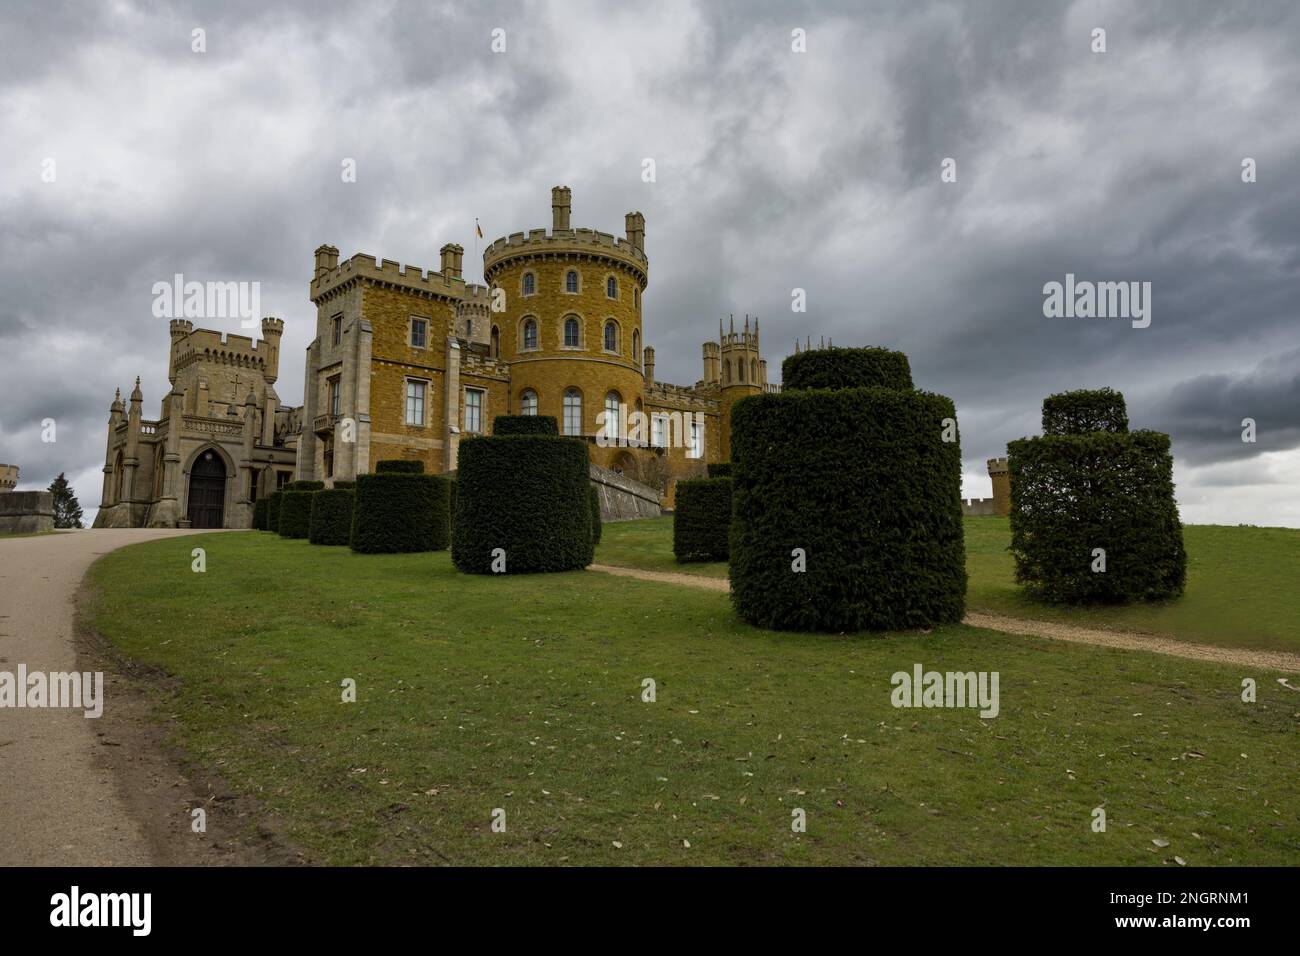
1243, 583
525, 693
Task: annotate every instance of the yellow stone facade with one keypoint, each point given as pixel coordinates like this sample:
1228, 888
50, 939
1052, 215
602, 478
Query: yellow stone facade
406, 362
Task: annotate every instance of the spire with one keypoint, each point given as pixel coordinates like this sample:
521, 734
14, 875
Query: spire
117, 405
135, 392
733, 323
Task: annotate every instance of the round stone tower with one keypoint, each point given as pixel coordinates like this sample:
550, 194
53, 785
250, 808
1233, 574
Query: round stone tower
567, 316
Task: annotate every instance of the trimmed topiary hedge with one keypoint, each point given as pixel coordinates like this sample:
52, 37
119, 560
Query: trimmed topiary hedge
331, 515
402, 466
525, 425
846, 500
702, 519
259, 514
339, 485
1105, 488
846, 368
400, 511
529, 495
1083, 411
295, 508
597, 526
273, 511
720, 469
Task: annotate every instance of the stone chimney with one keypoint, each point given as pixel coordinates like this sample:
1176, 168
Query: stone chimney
561, 202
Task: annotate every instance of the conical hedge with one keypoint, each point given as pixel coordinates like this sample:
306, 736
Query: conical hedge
847, 498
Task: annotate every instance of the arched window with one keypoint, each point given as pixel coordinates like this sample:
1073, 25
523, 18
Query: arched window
530, 334
613, 418
726, 371
636, 297
740, 370
753, 371
530, 283
571, 281
636, 346
573, 412
496, 342
611, 288
572, 334
528, 402
611, 337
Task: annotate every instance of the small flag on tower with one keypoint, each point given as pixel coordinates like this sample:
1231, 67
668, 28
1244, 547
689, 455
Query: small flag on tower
478, 229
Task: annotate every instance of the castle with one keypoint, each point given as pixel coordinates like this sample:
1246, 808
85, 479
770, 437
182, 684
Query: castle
406, 362
222, 441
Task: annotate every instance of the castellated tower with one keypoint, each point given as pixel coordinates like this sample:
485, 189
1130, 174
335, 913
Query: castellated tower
571, 324
1001, 477
737, 368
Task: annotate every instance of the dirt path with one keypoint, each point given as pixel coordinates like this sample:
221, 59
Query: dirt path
1124, 640
59, 801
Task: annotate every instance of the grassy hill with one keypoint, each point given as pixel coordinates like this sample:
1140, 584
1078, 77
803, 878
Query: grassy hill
526, 694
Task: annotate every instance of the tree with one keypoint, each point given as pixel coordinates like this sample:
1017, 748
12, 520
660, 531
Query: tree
67, 510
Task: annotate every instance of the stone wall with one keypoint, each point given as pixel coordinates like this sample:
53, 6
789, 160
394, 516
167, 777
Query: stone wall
24, 512
622, 499
980, 508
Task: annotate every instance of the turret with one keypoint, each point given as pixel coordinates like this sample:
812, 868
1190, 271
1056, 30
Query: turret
649, 366
272, 329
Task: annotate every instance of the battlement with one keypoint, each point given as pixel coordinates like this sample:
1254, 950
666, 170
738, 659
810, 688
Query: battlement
679, 396
8, 478
367, 267
562, 241
997, 466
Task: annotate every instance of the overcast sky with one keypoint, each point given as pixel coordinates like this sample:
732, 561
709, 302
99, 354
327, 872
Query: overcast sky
775, 170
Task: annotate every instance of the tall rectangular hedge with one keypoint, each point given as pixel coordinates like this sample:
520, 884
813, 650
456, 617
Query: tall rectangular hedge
399, 512
702, 519
295, 508
273, 511
331, 516
259, 514
861, 481
528, 495
597, 526
1072, 494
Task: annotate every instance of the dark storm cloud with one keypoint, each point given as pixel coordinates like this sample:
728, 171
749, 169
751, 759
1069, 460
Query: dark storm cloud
775, 171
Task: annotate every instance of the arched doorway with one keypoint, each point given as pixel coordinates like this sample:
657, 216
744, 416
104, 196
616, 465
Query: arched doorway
207, 491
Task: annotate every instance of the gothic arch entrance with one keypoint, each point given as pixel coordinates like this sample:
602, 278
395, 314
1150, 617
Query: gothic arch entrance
207, 497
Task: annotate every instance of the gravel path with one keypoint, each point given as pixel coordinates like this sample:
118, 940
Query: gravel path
59, 804
1124, 640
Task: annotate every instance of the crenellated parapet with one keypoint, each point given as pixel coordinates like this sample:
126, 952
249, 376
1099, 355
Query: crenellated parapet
333, 280
567, 244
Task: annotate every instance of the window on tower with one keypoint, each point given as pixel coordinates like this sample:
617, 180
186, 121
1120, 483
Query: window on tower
571, 281
572, 334
530, 334
572, 412
611, 287
530, 283
528, 402
611, 337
